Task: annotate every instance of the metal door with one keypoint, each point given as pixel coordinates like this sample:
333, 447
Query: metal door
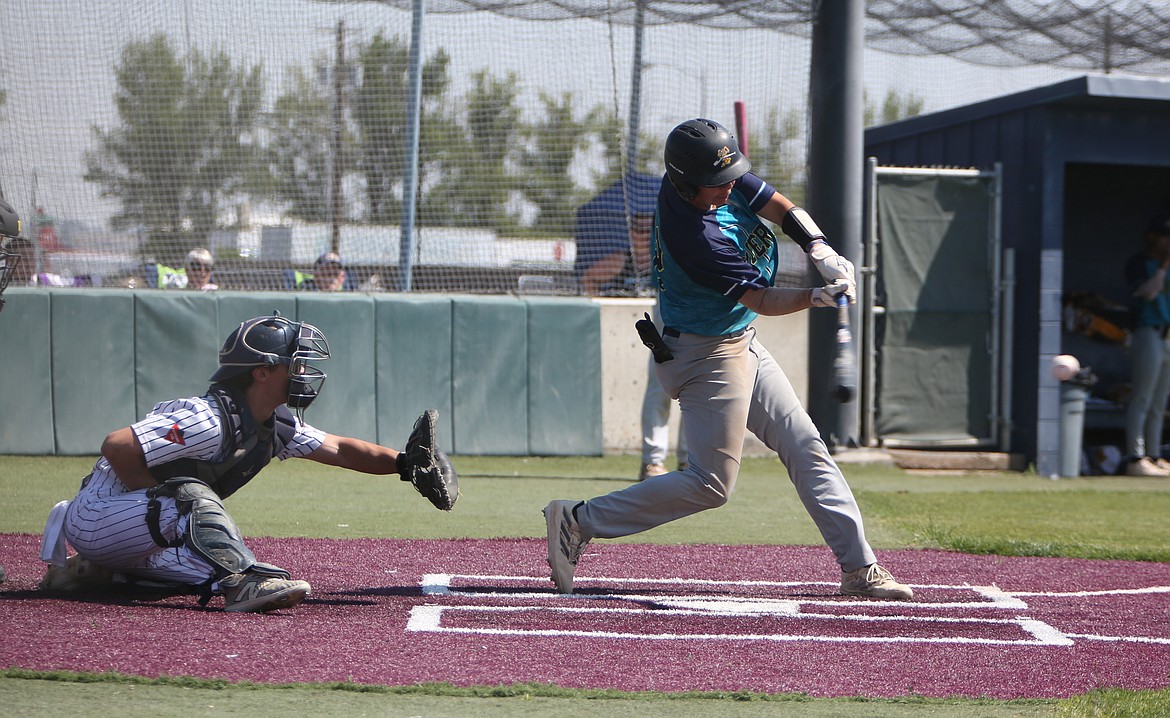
933, 300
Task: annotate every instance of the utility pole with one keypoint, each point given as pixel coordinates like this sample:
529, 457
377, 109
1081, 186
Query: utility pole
836, 146
338, 121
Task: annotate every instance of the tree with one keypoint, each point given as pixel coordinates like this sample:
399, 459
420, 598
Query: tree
780, 156
552, 148
185, 146
380, 116
476, 182
298, 152
895, 107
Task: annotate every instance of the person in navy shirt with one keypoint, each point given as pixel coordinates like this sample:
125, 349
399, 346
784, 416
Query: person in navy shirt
714, 262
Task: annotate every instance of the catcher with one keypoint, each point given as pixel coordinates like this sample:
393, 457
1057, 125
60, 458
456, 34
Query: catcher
151, 512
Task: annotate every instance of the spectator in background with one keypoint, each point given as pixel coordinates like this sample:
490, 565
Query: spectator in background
200, 265
10, 227
329, 275
25, 273
614, 260
1149, 351
24, 262
609, 260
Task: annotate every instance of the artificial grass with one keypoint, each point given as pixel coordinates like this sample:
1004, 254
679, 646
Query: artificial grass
502, 497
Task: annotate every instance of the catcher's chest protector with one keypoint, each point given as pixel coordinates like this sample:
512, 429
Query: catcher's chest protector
246, 446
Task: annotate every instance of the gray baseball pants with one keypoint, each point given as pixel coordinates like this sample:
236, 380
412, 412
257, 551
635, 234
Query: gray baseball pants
727, 386
1149, 356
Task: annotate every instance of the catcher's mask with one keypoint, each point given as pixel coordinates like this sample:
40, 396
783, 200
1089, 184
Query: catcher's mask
269, 341
702, 153
9, 227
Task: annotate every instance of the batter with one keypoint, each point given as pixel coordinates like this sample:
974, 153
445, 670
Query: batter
715, 262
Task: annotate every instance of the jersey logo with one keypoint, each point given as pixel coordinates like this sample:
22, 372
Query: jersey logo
758, 244
175, 435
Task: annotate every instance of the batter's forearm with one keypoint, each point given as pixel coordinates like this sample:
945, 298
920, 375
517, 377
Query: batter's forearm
776, 301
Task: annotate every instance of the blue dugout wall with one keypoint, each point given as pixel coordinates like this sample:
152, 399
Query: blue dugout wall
509, 376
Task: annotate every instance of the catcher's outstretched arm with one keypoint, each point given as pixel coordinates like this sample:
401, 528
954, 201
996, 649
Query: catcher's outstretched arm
356, 454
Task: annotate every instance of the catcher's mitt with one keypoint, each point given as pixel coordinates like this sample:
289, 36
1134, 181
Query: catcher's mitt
424, 464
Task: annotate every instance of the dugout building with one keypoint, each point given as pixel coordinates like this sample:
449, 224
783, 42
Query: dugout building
998, 233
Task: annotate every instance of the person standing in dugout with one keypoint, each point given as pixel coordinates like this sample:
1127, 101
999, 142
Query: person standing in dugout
151, 512
714, 264
1149, 351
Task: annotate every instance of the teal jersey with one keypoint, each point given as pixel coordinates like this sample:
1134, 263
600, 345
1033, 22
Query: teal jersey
703, 262
1146, 313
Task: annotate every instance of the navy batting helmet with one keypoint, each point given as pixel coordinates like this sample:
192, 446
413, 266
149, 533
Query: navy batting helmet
269, 341
702, 153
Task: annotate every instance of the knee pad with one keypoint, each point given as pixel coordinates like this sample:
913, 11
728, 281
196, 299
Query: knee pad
211, 533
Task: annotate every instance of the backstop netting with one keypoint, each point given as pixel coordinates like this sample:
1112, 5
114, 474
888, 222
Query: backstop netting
275, 131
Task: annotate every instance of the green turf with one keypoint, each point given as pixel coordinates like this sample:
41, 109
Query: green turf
1003, 513
27, 693
1000, 513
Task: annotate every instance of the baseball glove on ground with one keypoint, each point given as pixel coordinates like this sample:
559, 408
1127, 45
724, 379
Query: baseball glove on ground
424, 464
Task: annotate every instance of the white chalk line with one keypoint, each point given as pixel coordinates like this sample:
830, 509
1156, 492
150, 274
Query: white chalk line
440, 584
429, 618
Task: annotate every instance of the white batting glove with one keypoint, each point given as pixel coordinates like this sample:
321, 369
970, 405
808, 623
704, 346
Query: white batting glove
826, 296
832, 266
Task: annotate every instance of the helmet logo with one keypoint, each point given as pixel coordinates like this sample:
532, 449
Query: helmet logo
723, 157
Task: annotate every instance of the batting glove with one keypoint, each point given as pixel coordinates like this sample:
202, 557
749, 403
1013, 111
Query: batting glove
826, 296
832, 266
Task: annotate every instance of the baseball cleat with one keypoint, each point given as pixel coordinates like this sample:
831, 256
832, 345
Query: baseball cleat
1145, 466
257, 592
875, 582
565, 544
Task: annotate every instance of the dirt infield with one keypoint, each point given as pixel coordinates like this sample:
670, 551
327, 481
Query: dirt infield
648, 617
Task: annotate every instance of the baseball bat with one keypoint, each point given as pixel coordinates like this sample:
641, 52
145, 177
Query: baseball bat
741, 126
844, 364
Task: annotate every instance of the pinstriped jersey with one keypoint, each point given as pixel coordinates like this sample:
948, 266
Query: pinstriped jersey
189, 428
705, 260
